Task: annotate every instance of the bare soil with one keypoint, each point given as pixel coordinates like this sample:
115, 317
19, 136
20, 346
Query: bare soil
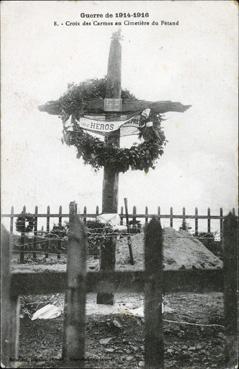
196, 346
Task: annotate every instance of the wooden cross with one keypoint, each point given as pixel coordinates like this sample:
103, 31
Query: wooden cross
112, 107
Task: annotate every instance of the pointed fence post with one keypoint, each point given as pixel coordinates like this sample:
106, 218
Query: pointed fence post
22, 240
196, 221
153, 250
60, 242
48, 243
134, 218
35, 234
121, 215
230, 238
131, 258
10, 321
171, 217
75, 298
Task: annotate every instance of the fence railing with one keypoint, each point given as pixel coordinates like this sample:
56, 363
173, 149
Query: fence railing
76, 282
42, 241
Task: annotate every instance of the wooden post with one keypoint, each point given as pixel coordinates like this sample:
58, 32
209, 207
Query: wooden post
75, 297
97, 210
184, 225
208, 220
11, 227
111, 175
221, 224
22, 240
134, 218
14, 316
60, 216
131, 258
171, 217
85, 212
153, 249
60, 242
146, 215
10, 321
35, 234
121, 215
196, 221
230, 239
22, 248
48, 231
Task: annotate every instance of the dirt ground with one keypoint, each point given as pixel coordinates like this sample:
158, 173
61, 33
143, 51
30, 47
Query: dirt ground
117, 340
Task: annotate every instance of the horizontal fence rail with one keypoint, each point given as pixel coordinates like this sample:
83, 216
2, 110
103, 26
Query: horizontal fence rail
174, 281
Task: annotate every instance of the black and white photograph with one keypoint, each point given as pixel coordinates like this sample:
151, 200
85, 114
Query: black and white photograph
119, 184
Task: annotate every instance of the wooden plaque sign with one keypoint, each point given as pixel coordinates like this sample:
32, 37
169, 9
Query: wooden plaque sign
112, 104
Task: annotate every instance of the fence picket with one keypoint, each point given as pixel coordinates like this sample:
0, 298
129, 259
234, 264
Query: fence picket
128, 231
47, 230
35, 234
59, 243
121, 215
60, 216
11, 220
154, 344
22, 240
11, 239
171, 217
85, 212
221, 224
209, 220
196, 221
134, 217
146, 215
97, 210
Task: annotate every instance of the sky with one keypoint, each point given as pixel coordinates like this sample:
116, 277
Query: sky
194, 63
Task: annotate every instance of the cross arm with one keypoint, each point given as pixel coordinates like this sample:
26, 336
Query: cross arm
128, 106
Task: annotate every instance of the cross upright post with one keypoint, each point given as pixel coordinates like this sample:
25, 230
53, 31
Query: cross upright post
112, 107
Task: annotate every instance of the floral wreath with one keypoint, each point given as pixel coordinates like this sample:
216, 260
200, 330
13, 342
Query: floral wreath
25, 223
98, 154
